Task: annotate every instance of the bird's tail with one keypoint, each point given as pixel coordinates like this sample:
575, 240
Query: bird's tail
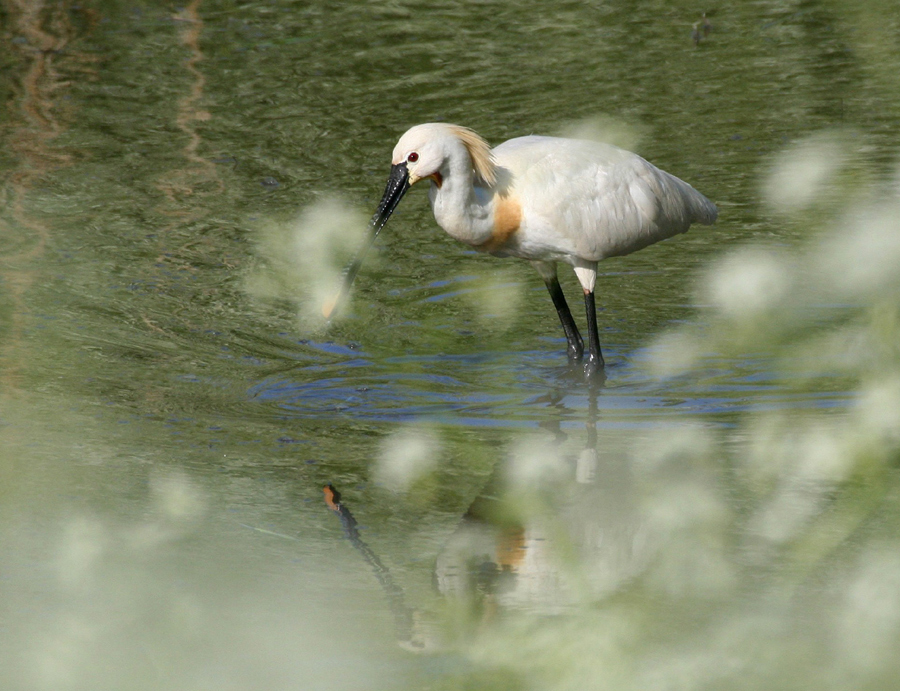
696, 206
704, 211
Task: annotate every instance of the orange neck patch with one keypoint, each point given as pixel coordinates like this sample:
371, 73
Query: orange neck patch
507, 219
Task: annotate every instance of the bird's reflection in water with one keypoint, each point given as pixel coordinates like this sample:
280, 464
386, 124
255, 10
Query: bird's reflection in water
403, 615
572, 532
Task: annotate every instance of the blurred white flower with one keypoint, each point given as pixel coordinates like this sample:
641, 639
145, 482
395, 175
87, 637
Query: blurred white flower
868, 631
674, 353
606, 129
405, 457
747, 284
497, 299
534, 463
878, 410
822, 453
176, 496
799, 463
304, 259
783, 516
862, 257
802, 173
84, 542
674, 448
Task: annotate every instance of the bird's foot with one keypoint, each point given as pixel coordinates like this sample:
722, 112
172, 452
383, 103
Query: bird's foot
575, 354
594, 369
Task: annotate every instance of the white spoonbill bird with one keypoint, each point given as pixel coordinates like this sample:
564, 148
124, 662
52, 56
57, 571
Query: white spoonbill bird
544, 199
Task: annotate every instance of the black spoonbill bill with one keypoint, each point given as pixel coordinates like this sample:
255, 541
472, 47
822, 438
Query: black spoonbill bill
544, 199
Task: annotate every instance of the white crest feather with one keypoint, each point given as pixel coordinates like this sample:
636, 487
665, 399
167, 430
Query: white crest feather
480, 153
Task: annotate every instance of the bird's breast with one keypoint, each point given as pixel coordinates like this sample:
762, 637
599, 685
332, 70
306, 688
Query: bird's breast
485, 220
506, 221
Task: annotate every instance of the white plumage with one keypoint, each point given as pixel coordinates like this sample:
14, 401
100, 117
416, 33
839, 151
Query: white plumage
544, 199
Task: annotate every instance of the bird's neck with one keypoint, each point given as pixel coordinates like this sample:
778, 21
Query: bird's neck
462, 207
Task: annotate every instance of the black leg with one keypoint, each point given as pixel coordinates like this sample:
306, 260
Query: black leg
575, 347
594, 363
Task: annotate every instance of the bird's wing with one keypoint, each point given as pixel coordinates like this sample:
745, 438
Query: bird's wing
602, 200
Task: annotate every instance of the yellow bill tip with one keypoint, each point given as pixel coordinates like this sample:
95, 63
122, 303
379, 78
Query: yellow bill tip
328, 307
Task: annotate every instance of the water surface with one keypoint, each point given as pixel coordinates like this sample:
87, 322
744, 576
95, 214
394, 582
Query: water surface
168, 425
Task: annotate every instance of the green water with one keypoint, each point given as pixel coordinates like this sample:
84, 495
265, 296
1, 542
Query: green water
170, 411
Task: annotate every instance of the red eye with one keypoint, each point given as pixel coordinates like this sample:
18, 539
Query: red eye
413, 157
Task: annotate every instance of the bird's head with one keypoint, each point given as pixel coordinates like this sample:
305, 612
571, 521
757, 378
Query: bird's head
424, 151
427, 151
